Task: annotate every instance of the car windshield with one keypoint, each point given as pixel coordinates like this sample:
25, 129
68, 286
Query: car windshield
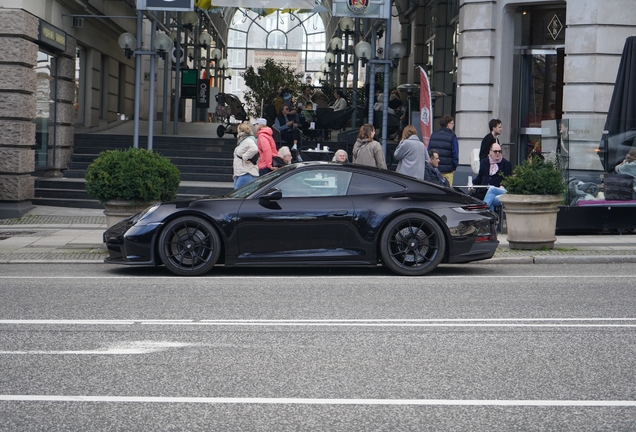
259, 182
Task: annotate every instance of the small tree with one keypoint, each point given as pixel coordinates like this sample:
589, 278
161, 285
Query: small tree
265, 82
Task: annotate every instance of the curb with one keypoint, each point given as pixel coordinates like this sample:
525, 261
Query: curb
566, 259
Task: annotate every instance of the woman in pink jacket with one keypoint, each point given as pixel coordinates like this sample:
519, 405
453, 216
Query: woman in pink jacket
266, 146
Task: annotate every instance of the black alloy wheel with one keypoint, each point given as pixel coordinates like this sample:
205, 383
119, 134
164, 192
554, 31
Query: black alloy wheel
412, 245
220, 131
189, 246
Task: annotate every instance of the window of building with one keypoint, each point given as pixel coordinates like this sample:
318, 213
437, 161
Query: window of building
295, 39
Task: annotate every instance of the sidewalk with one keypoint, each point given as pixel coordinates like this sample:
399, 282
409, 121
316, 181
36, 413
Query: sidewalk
72, 235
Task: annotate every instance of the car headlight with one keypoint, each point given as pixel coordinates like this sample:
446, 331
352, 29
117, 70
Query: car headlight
145, 213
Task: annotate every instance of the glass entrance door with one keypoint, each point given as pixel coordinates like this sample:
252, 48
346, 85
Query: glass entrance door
540, 95
45, 109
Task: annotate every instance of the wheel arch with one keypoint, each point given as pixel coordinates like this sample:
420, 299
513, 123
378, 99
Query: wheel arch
220, 232
426, 212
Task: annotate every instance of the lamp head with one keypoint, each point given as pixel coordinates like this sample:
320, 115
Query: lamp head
363, 51
346, 24
163, 43
190, 19
205, 39
215, 54
128, 43
336, 44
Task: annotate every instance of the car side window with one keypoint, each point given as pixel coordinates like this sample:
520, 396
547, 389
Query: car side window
312, 183
362, 184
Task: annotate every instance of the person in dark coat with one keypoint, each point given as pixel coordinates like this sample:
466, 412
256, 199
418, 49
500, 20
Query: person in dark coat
493, 137
431, 173
445, 143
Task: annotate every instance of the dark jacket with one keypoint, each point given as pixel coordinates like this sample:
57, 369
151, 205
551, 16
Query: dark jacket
484, 177
444, 142
486, 143
434, 176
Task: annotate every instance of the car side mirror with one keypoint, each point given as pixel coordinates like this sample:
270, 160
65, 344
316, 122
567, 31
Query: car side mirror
271, 195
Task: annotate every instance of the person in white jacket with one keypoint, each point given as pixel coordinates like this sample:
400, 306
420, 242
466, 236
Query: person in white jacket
244, 169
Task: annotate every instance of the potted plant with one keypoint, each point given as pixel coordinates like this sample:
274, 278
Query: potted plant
534, 191
128, 181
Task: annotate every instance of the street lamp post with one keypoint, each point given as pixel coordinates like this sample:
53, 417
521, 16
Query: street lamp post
161, 44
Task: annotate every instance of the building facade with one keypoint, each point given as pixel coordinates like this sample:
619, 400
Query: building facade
531, 64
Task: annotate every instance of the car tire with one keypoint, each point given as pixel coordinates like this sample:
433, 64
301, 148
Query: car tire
189, 246
220, 131
412, 244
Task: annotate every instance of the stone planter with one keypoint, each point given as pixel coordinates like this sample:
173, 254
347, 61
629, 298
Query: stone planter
118, 210
531, 220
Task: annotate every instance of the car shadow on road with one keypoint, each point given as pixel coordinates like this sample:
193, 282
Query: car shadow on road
222, 271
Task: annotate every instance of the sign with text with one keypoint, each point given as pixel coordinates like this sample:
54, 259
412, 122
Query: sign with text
287, 58
166, 5
189, 87
52, 36
203, 94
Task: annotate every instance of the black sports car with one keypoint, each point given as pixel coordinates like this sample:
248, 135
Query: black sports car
316, 213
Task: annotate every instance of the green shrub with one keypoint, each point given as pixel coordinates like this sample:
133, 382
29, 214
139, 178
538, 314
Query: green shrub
133, 174
535, 177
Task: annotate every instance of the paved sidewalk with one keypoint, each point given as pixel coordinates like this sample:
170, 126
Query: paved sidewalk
72, 235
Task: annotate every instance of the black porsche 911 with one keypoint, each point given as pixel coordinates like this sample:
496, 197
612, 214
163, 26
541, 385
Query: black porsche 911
312, 214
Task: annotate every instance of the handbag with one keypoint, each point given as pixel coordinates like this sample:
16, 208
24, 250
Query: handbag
278, 162
254, 159
619, 187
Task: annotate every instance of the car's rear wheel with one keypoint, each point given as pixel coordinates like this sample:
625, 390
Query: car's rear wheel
189, 246
412, 244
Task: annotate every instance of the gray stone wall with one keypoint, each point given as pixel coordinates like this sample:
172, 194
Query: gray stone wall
18, 55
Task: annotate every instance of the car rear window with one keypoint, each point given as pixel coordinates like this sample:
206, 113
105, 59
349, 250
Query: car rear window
362, 184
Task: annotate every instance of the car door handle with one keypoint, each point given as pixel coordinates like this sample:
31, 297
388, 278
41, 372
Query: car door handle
338, 213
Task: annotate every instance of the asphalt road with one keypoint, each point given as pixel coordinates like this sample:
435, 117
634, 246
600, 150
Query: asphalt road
475, 347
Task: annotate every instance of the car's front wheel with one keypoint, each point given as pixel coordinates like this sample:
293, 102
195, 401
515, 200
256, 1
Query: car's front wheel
412, 244
189, 246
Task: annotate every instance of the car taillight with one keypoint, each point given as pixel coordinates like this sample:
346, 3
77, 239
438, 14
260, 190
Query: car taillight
473, 207
484, 238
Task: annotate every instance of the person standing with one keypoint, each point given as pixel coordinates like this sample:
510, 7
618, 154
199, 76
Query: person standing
431, 172
412, 154
244, 171
445, 143
266, 146
367, 151
493, 137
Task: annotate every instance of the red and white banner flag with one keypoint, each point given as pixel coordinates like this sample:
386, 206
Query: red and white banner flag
426, 111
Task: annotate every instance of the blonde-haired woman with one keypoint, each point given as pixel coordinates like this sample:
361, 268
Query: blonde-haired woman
243, 168
366, 150
412, 154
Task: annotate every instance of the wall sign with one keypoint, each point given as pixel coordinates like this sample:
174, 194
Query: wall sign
203, 94
51, 36
362, 8
166, 5
189, 84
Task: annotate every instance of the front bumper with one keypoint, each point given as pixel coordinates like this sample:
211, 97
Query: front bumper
131, 244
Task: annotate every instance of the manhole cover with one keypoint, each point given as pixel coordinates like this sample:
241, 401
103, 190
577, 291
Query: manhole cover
8, 234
